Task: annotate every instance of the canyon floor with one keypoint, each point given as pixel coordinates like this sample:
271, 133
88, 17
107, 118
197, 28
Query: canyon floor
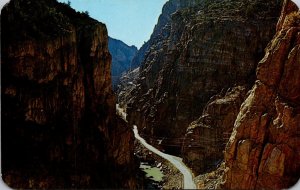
172, 177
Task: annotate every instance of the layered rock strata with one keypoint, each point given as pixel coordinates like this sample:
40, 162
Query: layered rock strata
263, 150
203, 48
59, 127
160, 33
161, 28
206, 137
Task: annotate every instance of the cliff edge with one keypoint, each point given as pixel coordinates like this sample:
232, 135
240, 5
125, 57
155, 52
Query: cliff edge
59, 126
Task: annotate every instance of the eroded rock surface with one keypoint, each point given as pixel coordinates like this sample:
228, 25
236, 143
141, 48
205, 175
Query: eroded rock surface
206, 137
263, 150
203, 48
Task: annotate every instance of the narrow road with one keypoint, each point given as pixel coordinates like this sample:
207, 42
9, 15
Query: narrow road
176, 161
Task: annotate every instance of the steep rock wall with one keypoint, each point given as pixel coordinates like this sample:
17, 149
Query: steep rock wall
205, 139
263, 150
210, 46
59, 127
160, 30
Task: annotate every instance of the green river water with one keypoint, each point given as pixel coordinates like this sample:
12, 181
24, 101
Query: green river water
153, 173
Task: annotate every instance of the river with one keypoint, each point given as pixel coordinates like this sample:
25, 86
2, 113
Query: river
176, 161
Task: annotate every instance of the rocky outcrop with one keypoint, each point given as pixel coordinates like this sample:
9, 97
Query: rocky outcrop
206, 137
160, 31
204, 48
122, 55
264, 149
128, 83
59, 126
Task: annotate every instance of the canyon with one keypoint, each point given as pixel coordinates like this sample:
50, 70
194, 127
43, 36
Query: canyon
207, 83
199, 54
217, 84
191, 59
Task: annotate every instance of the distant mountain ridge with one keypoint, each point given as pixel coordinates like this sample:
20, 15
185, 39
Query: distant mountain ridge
122, 55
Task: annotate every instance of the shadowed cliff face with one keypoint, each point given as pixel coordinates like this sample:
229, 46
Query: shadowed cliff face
205, 140
263, 150
210, 46
59, 128
161, 28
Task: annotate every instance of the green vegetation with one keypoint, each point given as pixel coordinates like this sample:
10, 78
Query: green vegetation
87, 13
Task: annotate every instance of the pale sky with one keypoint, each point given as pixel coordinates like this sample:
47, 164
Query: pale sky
3, 2
131, 21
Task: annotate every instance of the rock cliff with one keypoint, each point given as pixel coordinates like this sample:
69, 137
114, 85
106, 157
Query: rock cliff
59, 126
122, 55
264, 149
160, 32
161, 28
205, 140
202, 49
126, 86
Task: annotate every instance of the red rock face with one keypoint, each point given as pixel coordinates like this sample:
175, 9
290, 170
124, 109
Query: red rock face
263, 150
206, 137
59, 127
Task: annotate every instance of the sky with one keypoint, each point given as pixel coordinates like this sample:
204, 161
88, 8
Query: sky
3, 2
131, 21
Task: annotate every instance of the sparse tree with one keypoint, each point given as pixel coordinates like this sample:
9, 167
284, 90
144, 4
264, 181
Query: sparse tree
87, 13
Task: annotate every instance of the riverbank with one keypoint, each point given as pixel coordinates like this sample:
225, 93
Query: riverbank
172, 177
188, 182
211, 180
